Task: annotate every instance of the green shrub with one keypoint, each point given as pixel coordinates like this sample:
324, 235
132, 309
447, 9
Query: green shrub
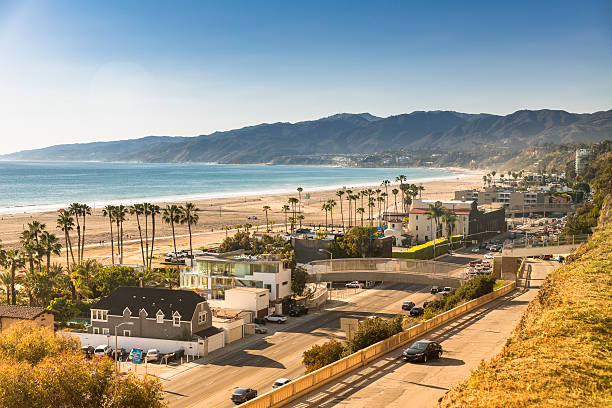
472, 289
373, 330
321, 355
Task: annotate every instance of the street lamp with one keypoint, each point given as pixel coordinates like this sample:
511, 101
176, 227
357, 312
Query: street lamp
116, 327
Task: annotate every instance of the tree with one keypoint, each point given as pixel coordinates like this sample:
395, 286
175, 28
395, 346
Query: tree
106, 280
293, 201
286, 210
154, 211
189, 216
65, 222
267, 208
120, 216
395, 191
49, 244
360, 210
299, 190
371, 331
13, 261
167, 277
85, 211
435, 212
172, 215
386, 184
401, 178
82, 277
325, 207
331, 204
5, 280
349, 198
299, 277
138, 210
356, 243
108, 212
449, 219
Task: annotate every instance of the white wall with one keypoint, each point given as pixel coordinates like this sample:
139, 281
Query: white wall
216, 341
247, 299
164, 346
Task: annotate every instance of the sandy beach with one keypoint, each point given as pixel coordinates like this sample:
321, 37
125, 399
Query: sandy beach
214, 216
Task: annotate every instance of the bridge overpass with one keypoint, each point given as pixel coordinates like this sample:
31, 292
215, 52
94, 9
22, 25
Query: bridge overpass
388, 270
560, 245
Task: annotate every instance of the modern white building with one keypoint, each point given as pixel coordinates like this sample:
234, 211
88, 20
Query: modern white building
212, 276
582, 159
253, 300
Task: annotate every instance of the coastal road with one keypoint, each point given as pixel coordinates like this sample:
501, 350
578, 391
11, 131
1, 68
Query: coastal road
265, 358
389, 382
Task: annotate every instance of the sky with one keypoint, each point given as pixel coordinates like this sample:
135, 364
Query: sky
82, 71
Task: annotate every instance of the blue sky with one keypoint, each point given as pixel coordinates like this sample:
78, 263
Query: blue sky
77, 71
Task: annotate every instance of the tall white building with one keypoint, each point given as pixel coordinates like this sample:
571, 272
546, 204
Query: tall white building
582, 159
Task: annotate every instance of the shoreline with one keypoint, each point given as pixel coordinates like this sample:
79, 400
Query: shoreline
456, 173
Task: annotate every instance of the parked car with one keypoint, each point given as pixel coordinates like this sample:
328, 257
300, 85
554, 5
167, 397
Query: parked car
276, 318
241, 395
102, 350
280, 382
121, 353
475, 250
143, 354
259, 320
153, 355
88, 351
298, 311
259, 329
490, 255
353, 284
425, 304
434, 290
417, 311
408, 305
422, 351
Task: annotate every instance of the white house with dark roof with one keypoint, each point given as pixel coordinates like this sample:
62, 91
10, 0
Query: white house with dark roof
159, 313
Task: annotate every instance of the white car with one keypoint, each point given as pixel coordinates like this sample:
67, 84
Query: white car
102, 350
152, 355
490, 255
353, 284
475, 250
280, 382
276, 318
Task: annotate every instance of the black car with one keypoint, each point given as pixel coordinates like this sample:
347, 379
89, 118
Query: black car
407, 305
298, 311
88, 351
122, 354
434, 290
417, 311
422, 351
241, 395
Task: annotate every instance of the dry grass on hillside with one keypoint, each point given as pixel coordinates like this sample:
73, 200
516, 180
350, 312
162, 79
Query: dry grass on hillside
560, 354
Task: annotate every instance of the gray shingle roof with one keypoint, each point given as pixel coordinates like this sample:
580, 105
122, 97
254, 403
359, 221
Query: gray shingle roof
22, 312
151, 300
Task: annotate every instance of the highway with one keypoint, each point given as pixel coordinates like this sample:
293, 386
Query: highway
263, 358
390, 383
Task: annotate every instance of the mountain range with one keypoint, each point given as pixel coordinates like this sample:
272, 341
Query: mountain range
346, 133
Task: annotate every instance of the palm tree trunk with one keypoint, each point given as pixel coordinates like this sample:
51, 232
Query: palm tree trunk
342, 214
110, 222
121, 237
70, 246
13, 294
66, 242
152, 239
146, 238
174, 237
83, 240
119, 241
79, 240
48, 261
142, 252
190, 245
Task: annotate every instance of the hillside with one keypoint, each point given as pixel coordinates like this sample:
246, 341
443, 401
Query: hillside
347, 134
560, 354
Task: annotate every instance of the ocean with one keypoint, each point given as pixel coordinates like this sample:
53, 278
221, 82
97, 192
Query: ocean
47, 186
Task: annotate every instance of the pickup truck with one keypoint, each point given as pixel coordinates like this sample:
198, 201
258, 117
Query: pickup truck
276, 318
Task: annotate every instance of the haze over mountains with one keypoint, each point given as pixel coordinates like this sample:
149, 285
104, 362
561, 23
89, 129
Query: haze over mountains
346, 133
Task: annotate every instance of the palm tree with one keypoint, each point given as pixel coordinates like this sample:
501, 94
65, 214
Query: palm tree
293, 201
75, 211
360, 210
286, 210
420, 188
349, 198
85, 211
82, 276
121, 212
299, 190
154, 210
484, 180
172, 215
435, 212
394, 192
147, 211
14, 260
29, 247
380, 200
493, 176
5, 280
385, 184
49, 245
267, 208
65, 222
401, 178
340, 193
449, 219
332, 204
325, 207
190, 217
138, 210
108, 212
371, 205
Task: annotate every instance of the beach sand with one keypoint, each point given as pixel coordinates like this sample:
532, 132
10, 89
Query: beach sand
215, 215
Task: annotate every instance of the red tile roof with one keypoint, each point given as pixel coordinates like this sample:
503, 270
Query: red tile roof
22, 312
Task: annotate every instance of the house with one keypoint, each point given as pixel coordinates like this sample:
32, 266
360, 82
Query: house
254, 300
212, 275
12, 314
157, 313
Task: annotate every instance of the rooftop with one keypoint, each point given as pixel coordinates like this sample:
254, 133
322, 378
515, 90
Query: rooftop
22, 312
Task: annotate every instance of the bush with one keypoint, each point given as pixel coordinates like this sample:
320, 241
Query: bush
372, 331
321, 355
424, 251
472, 289
39, 369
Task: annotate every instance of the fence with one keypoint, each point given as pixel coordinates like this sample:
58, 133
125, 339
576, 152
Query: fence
310, 382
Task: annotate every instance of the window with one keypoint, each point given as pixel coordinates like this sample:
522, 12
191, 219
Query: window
285, 282
269, 287
417, 227
417, 217
160, 316
105, 330
99, 315
127, 333
96, 330
202, 318
176, 321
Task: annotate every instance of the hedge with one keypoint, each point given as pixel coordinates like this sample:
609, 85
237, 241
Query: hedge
425, 251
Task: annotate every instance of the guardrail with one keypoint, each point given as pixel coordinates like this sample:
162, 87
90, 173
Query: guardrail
311, 381
548, 242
